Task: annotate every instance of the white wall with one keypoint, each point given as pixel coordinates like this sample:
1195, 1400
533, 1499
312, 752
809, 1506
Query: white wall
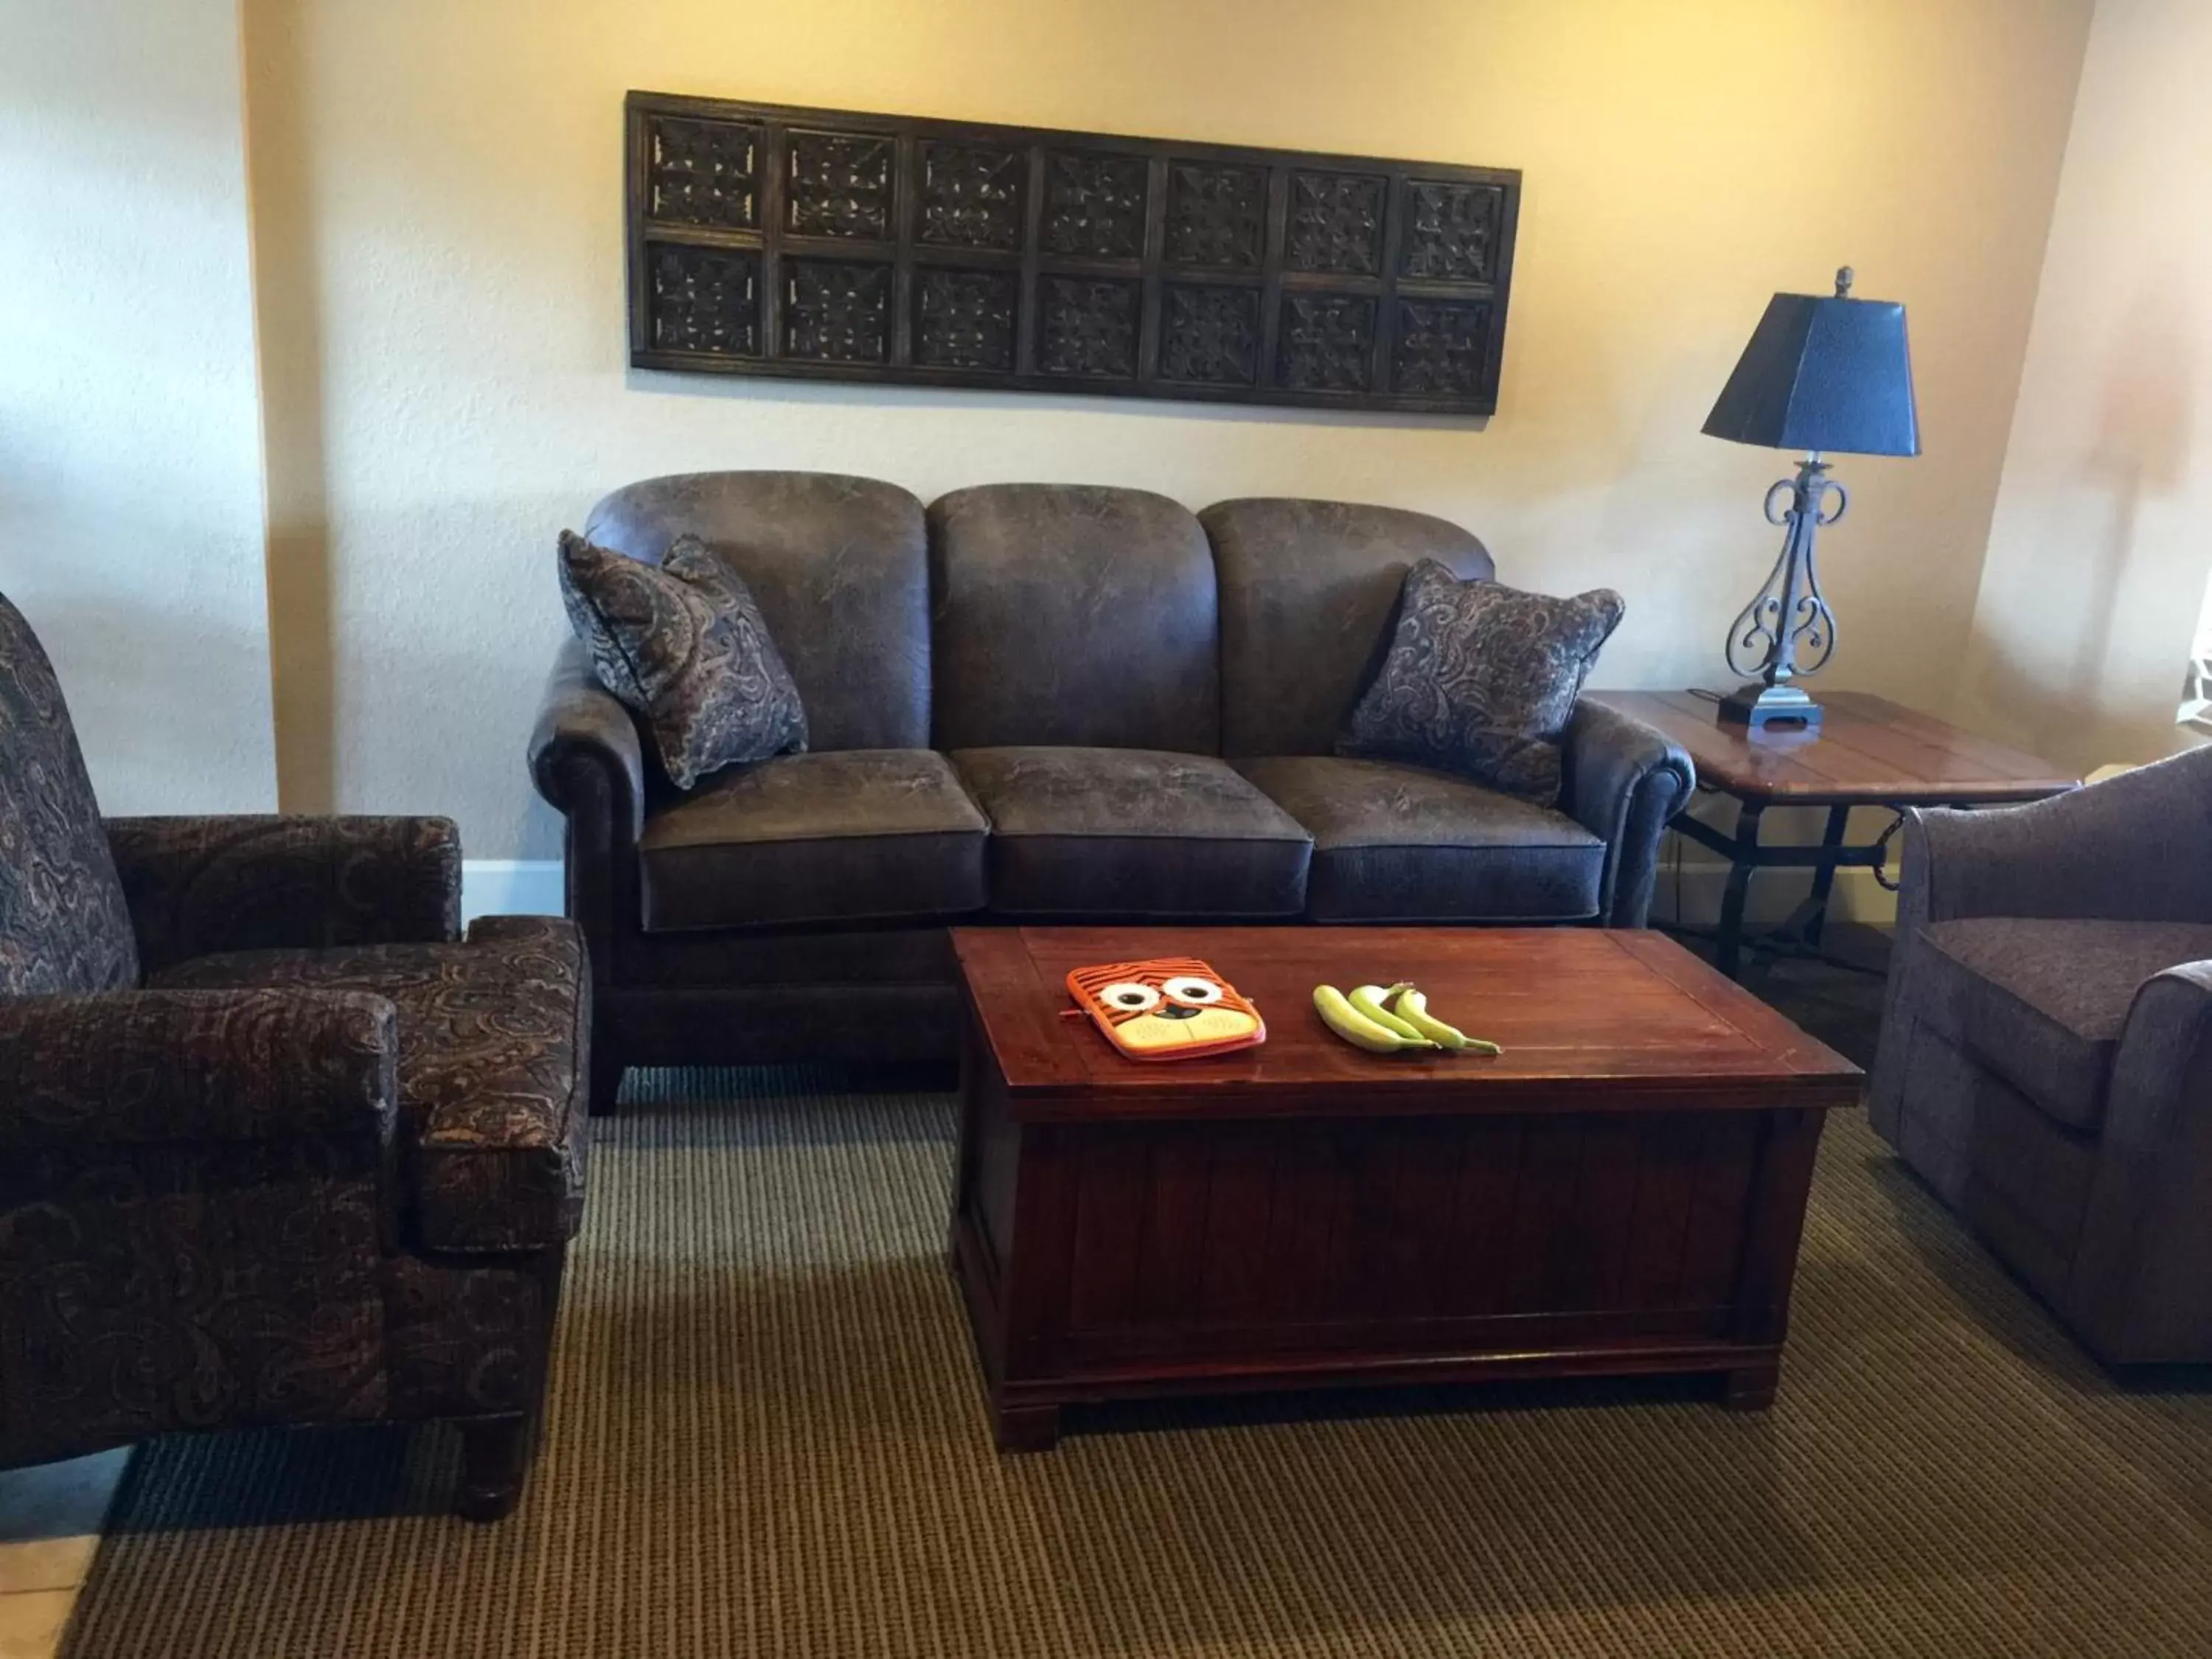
131, 480
2102, 540
438, 200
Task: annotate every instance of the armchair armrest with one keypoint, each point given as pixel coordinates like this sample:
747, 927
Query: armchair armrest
169, 1068
585, 756
197, 886
2142, 1276
1622, 781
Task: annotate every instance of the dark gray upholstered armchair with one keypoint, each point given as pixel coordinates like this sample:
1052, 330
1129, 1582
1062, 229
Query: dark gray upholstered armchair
277, 1146
1036, 703
2046, 1049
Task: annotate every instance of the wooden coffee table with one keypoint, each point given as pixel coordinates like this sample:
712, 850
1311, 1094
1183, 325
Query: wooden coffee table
1622, 1191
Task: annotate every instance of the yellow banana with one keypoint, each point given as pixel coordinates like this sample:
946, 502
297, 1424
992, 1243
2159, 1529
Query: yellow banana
1412, 1008
1347, 1022
1373, 1001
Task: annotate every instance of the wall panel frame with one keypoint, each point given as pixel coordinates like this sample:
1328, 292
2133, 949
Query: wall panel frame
830, 244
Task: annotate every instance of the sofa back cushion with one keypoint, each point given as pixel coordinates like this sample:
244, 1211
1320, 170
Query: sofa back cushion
840, 568
1072, 615
63, 925
1308, 590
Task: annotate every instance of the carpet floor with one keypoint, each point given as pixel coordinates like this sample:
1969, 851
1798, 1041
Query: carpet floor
766, 1436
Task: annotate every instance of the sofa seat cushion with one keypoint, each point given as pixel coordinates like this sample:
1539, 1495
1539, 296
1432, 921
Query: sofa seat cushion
493, 1036
1132, 832
1399, 843
2042, 1002
854, 835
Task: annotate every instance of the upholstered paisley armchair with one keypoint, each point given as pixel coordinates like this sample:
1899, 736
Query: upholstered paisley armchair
278, 1146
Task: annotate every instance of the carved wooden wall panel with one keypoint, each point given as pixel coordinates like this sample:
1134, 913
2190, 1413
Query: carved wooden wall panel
822, 244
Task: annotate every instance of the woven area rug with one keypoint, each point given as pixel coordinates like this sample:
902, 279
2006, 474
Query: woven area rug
766, 1436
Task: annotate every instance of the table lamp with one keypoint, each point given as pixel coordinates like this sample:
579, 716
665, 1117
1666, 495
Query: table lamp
1828, 375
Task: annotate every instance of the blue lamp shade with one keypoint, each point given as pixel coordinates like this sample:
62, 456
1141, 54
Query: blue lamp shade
1823, 374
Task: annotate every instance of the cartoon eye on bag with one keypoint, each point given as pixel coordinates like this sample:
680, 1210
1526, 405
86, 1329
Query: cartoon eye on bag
1172, 1009
1189, 988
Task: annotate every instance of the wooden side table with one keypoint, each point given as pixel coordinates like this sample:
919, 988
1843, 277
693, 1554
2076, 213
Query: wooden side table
1869, 752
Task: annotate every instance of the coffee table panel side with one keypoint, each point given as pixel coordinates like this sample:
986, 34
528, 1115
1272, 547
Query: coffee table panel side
1781, 1189
1047, 1210
975, 1237
1420, 1096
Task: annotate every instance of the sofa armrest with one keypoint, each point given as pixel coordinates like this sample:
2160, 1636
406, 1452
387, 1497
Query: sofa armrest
2143, 1274
1622, 781
585, 756
197, 886
196, 1068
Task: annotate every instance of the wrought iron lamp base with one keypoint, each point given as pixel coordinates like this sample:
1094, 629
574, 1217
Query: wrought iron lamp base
1758, 706
1788, 611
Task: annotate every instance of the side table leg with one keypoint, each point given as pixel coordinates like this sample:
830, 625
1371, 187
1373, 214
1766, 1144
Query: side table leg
1824, 876
1753, 1388
1027, 1428
1729, 953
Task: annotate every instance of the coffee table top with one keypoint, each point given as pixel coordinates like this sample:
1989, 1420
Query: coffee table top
1588, 1019
1867, 749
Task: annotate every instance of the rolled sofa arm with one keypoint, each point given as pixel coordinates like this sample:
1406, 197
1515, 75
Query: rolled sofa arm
197, 886
193, 1067
2143, 1274
1624, 780
583, 753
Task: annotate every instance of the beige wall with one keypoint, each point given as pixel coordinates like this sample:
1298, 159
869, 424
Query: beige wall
2102, 544
438, 190
130, 508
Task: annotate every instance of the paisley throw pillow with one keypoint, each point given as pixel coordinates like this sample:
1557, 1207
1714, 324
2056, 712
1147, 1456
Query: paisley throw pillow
1482, 679
684, 644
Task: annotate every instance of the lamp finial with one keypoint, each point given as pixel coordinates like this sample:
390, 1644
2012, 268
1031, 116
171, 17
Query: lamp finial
1844, 282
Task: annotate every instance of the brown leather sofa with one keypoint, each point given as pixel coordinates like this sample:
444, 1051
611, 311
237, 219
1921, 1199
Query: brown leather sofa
1037, 702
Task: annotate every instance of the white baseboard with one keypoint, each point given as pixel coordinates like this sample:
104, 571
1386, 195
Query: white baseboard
510, 887
1774, 893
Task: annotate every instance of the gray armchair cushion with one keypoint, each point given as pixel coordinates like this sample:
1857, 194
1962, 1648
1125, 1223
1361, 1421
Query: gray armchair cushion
1397, 843
684, 643
1482, 680
2042, 1001
1132, 832
492, 1037
2130, 847
859, 835
63, 923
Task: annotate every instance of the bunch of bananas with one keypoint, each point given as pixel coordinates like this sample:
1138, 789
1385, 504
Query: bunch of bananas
1392, 1019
